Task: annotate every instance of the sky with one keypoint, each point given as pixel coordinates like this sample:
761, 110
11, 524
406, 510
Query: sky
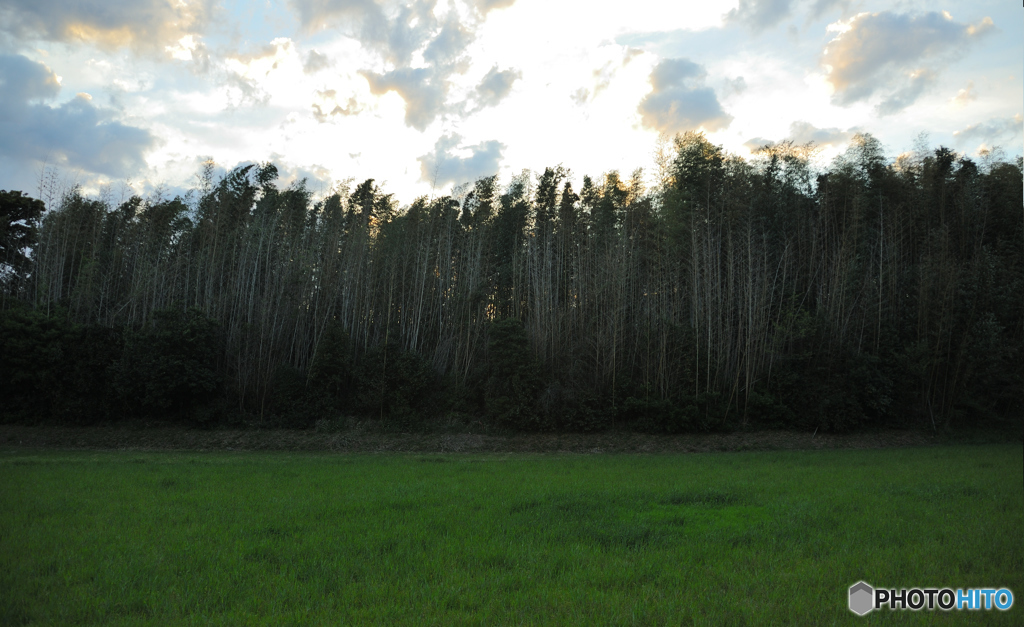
133, 96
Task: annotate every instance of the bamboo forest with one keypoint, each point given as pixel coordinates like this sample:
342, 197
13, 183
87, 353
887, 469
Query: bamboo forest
729, 293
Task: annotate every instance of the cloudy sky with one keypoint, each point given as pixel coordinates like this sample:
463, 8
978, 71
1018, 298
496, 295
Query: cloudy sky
424, 95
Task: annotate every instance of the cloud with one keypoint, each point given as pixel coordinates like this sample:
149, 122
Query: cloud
734, 86
317, 177
75, 134
495, 86
23, 80
879, 51
992, 130
821, 7
758, 15
485, 6
144, 25
397, 32
603, 76
679, 102
444, 166
755, 143
315, 61
451, 41
327, 106
380, 21
919, 81
965, 95
246, 74
803, 133
316, 15
423, 92
394, 31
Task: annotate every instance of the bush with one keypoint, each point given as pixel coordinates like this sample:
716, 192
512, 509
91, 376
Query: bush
563, 408
31, 362
292, 403
90, 356
169, 366
331, 379
397, 386
513, 384
51, 369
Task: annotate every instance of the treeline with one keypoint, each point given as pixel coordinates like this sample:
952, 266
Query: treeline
735, 293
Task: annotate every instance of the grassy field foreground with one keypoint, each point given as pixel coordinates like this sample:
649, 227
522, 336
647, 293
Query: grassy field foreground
716, 539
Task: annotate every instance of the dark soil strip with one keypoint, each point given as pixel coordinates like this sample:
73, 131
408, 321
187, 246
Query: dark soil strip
136, 438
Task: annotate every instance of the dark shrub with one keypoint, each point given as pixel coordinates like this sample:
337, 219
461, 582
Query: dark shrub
397, 386
169, 366
31, 360
514, 383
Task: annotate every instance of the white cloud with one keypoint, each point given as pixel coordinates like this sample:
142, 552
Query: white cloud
965, 95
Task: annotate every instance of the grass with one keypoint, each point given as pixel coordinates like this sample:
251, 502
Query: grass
714, 539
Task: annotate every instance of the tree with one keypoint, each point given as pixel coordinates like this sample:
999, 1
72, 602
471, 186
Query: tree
19, 222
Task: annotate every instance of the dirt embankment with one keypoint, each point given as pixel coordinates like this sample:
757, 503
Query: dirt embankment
358, 440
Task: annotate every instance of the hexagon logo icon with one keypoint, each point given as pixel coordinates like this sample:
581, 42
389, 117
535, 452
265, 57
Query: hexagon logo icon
862, 598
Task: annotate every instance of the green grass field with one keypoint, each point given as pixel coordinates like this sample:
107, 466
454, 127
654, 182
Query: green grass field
715, 539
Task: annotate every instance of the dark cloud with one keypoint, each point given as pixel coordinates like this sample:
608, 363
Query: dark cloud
679, 102
315, 61
442, 166
495, 86
22, 79
758, 15
147, 25
424, 93
992, 131
75, 134
902, 98
884, 51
